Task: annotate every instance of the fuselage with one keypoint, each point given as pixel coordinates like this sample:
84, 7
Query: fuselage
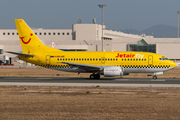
131, 62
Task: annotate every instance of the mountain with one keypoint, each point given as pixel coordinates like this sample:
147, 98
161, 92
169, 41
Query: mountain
162, 31
158, 31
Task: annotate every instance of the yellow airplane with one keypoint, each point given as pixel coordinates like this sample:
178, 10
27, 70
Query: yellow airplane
109, 64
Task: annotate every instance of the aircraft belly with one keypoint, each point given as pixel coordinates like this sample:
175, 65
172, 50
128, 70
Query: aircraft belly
145, 70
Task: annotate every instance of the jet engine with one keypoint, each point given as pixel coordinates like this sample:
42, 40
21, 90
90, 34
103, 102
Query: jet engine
112, 71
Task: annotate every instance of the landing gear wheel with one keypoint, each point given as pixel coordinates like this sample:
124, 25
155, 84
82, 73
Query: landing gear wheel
94, 76
155, 77
97, 76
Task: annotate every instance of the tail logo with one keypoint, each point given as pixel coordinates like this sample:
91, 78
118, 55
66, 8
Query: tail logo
22, 39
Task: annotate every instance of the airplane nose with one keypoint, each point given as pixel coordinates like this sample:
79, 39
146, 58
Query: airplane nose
174, 64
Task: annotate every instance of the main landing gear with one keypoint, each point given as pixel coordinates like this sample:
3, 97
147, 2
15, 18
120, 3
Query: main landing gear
94, 76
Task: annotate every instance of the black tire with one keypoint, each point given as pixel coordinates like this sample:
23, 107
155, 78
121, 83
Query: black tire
154, 77
92, 76
97, 76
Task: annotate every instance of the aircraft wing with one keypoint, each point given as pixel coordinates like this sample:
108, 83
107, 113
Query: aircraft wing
21, 54
85, 66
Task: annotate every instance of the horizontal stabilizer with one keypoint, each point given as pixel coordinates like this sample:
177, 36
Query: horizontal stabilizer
21, 54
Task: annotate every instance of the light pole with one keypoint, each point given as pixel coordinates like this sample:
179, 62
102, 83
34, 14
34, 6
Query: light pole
178, 23
102, 6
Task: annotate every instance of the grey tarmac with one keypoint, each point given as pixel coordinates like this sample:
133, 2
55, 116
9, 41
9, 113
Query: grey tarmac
116, 82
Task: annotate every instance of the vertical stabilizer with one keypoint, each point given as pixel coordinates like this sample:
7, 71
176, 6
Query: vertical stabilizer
30, 43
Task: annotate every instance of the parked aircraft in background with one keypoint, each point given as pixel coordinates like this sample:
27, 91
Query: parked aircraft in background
53, 45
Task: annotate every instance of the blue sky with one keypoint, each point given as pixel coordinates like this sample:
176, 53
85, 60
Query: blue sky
61, 14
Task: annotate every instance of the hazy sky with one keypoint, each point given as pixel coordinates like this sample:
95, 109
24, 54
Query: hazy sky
61, 14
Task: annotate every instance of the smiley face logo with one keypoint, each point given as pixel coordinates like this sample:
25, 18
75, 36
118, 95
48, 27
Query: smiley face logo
26, 42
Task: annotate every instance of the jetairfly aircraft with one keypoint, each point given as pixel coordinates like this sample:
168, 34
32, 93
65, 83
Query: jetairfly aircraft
109, 64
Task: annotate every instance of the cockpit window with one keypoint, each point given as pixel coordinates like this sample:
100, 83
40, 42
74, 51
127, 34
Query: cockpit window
163, 58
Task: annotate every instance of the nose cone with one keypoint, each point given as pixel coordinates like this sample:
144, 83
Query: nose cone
173, 64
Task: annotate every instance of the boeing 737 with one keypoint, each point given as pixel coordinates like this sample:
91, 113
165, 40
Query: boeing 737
109, 64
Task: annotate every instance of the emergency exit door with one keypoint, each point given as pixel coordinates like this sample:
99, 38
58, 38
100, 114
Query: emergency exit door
150, 60
47, 59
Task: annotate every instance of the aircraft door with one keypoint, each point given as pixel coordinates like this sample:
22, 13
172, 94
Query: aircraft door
47, 59
150, 60
103, 60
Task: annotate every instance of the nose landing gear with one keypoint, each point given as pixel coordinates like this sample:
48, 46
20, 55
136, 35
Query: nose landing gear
154, 77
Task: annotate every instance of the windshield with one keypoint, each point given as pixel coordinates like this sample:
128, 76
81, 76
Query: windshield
163, 58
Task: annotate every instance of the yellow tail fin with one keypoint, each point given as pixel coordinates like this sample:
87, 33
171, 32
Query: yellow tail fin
30, 43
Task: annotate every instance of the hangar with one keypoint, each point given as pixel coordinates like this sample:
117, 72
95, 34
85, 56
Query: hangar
87, 37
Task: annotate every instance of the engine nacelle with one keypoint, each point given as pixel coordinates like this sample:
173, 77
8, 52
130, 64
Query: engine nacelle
112, 71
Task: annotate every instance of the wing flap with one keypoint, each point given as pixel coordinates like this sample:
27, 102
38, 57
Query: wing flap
21, 54
85, 66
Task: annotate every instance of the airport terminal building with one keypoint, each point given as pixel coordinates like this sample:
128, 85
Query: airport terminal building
87, 37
